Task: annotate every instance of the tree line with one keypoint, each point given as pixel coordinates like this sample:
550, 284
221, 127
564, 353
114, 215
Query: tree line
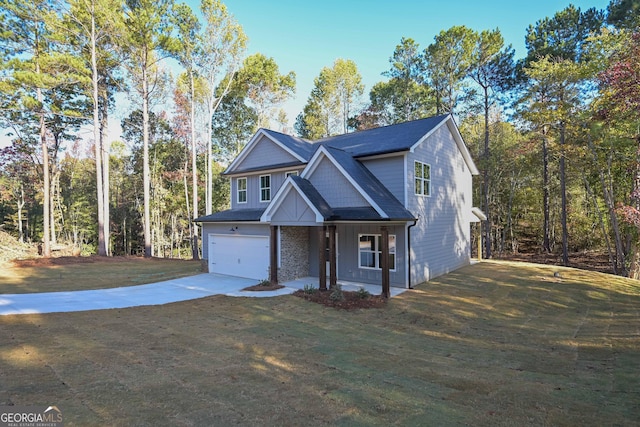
555, 134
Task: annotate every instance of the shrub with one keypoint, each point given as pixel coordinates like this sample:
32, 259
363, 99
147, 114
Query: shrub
336, 294
309, 289
363, 293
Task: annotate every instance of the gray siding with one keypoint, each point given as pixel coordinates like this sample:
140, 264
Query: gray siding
334, 187
265, 152
253, 188
440, 241
348, 263
390, 172
243, 228
294, 210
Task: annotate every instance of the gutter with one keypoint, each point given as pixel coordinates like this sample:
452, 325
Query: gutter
415, 221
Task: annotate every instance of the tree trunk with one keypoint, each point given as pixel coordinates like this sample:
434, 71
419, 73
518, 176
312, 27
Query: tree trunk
194, 167
485, 177
97, 141
563, 195
145, 164
21, 204
546, 241
46, 244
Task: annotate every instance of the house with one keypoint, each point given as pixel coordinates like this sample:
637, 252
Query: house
326, 208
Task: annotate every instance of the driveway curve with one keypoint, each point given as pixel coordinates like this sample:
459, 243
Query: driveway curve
183, 289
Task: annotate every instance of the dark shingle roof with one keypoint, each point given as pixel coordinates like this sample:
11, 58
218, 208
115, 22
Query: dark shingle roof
230, 215
387, 139
301, 147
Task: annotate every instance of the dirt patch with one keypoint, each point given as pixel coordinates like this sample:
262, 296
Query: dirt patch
263, 287
350, 301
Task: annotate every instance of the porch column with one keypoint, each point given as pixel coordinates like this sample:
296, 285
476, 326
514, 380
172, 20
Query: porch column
273, 255
333, 276
322, 259
384, 261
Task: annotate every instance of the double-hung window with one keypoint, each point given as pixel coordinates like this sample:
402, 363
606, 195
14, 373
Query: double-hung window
242, 190
370, 251
422, 179
265, 188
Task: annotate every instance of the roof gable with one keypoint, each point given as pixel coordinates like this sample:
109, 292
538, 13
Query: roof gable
270, 149
362, 180
455, 133
297, 201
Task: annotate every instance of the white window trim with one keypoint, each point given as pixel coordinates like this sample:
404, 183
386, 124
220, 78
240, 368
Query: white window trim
264, 188
423, 180
378, 251
246, 190
288, 174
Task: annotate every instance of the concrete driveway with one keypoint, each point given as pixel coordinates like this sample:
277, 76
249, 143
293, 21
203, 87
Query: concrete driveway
183, 289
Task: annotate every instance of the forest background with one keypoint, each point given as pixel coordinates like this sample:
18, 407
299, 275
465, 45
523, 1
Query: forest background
555, 134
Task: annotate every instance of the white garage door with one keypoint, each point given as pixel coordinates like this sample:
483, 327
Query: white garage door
242, 256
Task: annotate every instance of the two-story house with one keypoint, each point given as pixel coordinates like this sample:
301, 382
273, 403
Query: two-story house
326, 208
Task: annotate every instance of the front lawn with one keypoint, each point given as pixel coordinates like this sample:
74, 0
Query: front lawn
492, 344
84, 273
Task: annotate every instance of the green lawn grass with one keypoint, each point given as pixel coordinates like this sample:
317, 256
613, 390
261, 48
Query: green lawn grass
493, 344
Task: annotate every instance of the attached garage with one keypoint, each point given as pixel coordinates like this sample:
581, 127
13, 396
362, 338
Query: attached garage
239, 255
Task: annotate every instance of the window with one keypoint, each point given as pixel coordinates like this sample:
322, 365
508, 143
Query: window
288, 174
265, 188
242, 190
370, 251
422, 179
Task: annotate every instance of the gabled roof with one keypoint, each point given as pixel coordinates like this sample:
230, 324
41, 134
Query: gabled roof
299, 148
309, 194
386, 139
382, 201
383, 140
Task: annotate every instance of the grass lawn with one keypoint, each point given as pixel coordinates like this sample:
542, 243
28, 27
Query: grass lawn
494, 344
75, 273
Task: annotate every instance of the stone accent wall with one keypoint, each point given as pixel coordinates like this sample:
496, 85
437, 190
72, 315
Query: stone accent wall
294, 253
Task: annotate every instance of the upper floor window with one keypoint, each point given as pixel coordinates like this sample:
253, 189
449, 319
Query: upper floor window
265, 188
288, 174
370, 251
422, 179
242, 190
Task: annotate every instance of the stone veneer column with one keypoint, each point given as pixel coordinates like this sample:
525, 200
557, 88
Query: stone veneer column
294, 253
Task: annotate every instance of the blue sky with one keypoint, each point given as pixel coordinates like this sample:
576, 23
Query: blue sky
305, 36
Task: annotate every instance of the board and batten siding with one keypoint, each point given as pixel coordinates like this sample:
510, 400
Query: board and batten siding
390, 172
334, 187
348, 255
440, 241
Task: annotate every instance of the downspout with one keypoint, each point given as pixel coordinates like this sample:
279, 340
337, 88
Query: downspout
415, 221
